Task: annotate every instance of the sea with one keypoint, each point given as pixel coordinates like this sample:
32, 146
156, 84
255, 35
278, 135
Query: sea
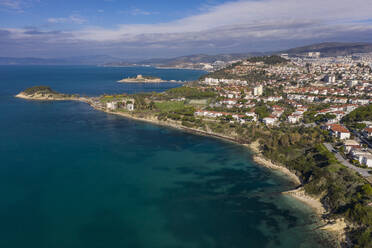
75, 177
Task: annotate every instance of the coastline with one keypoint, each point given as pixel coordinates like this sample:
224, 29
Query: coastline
336, 227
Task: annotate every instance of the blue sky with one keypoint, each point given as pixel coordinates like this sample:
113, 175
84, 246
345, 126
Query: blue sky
105, 13
145, 28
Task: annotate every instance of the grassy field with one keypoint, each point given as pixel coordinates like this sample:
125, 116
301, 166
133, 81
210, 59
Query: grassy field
169, 106
110, 98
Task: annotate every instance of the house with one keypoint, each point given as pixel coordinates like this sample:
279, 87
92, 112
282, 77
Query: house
356, 153
367, 132
351, 144
258, 90
210, 114
277, 111
294, 118
269, 120
239, 118
111, 105
229, 101
252, 114
367, 160
130, 106
339, 131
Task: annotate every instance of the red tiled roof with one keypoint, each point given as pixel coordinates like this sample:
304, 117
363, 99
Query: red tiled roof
368, 130
339, 128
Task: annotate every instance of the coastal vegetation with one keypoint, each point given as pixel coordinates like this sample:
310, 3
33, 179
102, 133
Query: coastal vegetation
363, 113
342, 191
40, 90
46, 93
110, 98
254, 75
268, 60
190, 93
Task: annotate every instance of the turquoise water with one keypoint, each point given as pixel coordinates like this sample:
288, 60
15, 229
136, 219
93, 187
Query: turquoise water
74, 177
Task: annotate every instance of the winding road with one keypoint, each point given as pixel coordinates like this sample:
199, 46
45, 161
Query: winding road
361, 171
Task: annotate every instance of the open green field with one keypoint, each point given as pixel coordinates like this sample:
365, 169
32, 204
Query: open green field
169, 106
110, 98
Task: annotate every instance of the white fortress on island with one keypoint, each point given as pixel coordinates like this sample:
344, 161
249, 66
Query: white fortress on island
142, 79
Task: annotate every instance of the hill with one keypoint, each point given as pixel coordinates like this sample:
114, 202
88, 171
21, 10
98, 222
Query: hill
77, 60
190, 61
199, 58
331, 49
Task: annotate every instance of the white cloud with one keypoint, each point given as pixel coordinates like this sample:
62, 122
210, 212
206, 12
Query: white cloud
230, 26
12, 5
71, 19
137, 12
254, 14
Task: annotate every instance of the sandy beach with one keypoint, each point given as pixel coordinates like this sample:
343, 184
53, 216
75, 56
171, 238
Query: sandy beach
261, 160
334, 226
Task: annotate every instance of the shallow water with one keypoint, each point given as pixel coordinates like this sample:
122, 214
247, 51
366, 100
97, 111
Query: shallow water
71, 176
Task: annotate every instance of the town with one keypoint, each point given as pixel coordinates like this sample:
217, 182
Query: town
304, 90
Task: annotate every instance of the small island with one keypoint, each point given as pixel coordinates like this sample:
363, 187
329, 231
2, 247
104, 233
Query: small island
142, 79
45, 93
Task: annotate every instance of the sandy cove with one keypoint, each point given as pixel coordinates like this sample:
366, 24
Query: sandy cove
336, 227
260, 159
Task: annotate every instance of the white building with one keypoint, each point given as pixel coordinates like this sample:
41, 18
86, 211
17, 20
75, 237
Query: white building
294, 118
112, 105
367, 132
211, 114
258, 90
252, 114
269, 120
212, 81
367, 160
351, 144
339, 131
130, 106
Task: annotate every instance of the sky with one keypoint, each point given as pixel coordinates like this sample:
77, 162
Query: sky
162, 28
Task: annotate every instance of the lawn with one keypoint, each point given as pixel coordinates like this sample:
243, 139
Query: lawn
110, 98
169, 106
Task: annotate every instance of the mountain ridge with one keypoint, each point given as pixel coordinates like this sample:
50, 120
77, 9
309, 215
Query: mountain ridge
327, 49
332, 49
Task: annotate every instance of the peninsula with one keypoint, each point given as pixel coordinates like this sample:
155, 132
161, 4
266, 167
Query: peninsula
142, 79
45, 93
277, 108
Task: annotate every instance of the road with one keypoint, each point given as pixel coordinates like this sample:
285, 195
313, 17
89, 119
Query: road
361, 171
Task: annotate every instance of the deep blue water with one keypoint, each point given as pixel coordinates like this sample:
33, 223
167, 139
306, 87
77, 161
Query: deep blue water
71, 176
